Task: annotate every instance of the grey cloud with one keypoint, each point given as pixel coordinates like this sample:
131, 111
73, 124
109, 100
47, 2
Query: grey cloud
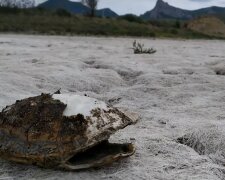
200, 0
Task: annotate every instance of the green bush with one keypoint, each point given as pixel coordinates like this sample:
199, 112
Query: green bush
177, 24
8, 10
173, 31
63, 13
131, 18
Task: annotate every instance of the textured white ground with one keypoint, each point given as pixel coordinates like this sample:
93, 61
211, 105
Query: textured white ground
175, 91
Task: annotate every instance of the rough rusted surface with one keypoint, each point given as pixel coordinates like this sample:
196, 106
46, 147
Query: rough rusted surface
34, 131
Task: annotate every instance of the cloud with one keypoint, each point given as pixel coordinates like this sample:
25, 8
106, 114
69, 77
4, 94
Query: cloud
200, 0
128, 6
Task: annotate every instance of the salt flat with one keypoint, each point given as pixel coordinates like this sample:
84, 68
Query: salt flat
176, 91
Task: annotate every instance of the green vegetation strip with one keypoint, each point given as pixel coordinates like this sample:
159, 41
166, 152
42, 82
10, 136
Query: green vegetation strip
60, 22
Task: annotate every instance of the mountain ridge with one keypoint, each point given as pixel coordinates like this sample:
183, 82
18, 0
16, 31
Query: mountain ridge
75, 8
163, 10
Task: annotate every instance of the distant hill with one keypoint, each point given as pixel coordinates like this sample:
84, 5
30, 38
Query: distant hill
106, 12
208, 25
163, 10
72, 7
75, 8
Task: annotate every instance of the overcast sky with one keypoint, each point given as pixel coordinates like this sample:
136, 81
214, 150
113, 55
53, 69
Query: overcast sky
140, 6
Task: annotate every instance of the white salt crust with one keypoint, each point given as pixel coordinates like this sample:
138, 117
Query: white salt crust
77, 104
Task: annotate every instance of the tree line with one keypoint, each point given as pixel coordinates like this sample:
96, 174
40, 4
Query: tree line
17, 3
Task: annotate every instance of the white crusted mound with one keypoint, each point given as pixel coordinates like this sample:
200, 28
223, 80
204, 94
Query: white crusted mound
77, 104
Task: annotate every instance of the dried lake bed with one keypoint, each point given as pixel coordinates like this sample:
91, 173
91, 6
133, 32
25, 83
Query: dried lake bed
179, 90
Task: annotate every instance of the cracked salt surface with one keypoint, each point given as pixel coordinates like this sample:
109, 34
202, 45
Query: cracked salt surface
175, 91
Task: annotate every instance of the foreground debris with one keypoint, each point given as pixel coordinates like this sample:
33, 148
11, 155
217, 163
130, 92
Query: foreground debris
139, 49
62, 131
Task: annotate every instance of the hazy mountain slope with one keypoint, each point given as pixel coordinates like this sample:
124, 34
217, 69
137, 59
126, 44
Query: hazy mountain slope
72, 7
209, 11
208, 25
75, 8
163, 10
106, 12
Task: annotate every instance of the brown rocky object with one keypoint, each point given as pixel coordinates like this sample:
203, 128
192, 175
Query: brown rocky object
48, 132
